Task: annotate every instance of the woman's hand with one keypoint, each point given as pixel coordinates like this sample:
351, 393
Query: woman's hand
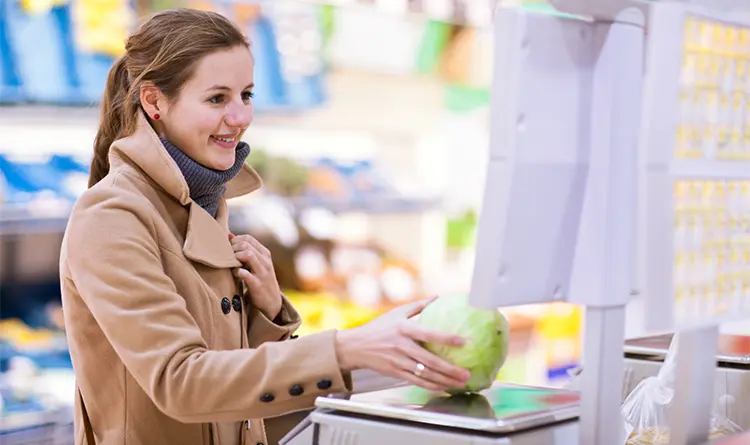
258, 274
389, 345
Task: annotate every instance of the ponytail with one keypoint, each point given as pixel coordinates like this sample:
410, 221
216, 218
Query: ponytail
118, 112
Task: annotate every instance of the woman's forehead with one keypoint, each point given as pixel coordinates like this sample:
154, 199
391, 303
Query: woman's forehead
230, 69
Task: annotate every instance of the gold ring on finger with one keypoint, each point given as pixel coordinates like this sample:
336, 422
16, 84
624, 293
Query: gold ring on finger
419, 370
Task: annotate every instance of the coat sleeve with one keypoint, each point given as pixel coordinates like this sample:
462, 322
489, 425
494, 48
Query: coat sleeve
261, 329
114, 260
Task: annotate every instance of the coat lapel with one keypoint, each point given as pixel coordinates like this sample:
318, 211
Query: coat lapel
206, 238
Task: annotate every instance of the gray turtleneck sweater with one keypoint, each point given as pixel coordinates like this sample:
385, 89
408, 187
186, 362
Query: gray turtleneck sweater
206, 185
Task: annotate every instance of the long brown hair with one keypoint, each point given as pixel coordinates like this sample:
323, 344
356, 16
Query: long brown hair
163, 51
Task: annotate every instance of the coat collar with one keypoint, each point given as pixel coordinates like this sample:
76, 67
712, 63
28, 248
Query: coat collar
206, 239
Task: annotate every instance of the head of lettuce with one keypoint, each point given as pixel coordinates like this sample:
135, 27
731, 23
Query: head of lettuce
485, 331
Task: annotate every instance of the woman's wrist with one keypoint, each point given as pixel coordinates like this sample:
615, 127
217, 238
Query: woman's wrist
346, 350
274, 312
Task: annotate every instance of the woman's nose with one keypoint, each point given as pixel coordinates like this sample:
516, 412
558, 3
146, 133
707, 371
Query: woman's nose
239, 115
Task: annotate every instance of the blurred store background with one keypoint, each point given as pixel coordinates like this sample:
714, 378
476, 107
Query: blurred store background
371, 133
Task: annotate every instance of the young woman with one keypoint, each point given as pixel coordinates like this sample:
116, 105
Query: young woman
177, 328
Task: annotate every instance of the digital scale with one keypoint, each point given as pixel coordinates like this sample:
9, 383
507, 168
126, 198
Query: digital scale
503, 414
619, 166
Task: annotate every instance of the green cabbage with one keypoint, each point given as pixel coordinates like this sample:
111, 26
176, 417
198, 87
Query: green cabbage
485, 331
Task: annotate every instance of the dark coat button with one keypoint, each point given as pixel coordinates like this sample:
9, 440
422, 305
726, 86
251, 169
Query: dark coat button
267, 398
226, 306
324, 384
294, 336
296, 390
237, 303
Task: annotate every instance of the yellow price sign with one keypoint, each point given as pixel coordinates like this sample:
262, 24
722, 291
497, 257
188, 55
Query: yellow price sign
41, 6
102, 26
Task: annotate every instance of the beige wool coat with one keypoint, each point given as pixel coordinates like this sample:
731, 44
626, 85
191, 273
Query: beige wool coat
165, 345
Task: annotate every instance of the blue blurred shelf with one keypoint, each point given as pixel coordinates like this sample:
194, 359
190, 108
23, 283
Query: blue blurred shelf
40, 63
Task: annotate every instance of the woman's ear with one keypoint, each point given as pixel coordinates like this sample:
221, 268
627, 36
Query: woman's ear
152, 100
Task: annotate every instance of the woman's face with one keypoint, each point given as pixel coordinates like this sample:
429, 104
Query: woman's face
213, 109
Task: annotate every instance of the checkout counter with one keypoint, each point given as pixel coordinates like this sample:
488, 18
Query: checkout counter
740, 439
507, 414
644, 357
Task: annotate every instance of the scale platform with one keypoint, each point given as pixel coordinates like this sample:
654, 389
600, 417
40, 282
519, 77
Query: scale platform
501, 414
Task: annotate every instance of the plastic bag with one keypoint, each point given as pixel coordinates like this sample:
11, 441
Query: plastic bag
645, 409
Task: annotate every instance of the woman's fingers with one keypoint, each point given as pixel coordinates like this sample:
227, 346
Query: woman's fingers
422, 383
423, 335
257, 264
417, 307
411, 371
250, 251
448, 374
253, 283
245, 242
411, 309
239, 246
410, 377
258, 246
437, 369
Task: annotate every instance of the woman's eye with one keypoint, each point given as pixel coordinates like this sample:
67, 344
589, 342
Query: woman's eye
247, 95
217, 99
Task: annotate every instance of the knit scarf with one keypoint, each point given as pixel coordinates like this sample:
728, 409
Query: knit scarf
206, 185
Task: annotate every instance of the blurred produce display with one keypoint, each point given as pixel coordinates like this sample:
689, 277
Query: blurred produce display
297, 215
322, 311
34, 361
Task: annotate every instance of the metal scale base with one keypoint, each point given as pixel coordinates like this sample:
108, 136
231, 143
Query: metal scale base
503, 414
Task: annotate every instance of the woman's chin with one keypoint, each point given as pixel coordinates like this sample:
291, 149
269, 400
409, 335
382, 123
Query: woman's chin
222, 163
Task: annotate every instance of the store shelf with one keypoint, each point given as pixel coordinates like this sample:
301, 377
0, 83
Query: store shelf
19, 221
26, 425
374, 205
474, 13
